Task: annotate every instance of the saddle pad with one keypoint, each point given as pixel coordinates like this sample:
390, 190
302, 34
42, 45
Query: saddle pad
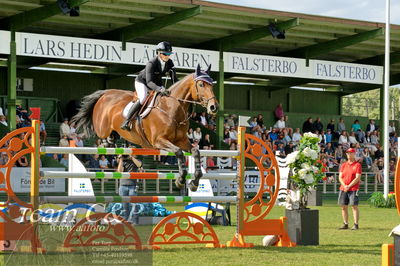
144, 111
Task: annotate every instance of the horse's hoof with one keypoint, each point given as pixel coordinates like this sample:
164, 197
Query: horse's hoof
179, 184
193, 185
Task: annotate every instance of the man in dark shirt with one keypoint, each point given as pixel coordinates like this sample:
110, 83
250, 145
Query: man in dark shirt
127, 187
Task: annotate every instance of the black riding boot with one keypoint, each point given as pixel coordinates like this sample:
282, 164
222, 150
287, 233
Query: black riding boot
134, 108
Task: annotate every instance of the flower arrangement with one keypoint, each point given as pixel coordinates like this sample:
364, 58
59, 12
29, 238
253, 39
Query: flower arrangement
307, 169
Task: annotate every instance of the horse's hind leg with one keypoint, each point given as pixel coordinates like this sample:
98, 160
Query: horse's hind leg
194, 184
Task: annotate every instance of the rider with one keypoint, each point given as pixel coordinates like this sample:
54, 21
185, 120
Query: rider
151, 78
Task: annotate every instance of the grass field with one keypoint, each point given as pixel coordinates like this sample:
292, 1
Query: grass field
337, 247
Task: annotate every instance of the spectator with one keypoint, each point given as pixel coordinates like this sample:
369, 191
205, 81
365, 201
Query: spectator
253, 122
352, 138
128, 187
203, 119
287, 125
206, 142
212, 122
321, 136
289, 148
392, 128
64, 142
378, 173
64, 128
360, 135
64, 160
197, 135
272, 135
94, 162
279, 112
280, 124
341, 126
379, 152
328, 136
374, 138
3, 120
260, 120
210, 163
79, 141
329, 149
103, 162
233, 135
339, 153
331, 126
190, 134
317, 125
72, 128
355, 126
227, 138
367, 157
43, 133
308, 125
371, 126
344, 140
230, 121
280, 150
286, 137
296, 136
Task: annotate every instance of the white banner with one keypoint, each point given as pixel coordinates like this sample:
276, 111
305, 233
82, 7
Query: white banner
83, 49
21, 180
71, 48
297, 68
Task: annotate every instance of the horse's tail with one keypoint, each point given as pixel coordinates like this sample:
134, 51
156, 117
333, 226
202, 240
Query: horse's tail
83, 119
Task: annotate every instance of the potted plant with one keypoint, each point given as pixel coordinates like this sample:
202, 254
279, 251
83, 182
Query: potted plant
306, 172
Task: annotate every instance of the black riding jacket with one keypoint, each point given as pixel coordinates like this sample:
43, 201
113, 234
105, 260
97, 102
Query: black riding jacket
152, 75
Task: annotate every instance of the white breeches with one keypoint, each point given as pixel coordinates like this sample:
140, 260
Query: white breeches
141, 91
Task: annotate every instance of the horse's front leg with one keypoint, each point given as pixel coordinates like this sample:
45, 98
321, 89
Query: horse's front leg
194, 184
180, 182
165, 144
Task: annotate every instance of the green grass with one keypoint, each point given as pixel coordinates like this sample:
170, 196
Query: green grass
337, 247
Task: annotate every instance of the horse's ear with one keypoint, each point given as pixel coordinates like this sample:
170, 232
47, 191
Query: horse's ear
208, 69
198, 70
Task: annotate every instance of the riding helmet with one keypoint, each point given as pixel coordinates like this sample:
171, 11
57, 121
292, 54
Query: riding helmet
164, 47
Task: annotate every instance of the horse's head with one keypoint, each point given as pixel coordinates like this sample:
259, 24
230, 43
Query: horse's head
202, 90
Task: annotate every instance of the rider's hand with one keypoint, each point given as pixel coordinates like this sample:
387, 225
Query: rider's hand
164, 91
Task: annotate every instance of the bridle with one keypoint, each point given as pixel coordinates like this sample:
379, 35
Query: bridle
202, 100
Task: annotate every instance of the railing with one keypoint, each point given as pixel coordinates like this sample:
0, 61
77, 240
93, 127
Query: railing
142, 187
363, 185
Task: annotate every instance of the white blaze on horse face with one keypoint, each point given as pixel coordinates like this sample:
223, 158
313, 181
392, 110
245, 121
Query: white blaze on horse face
212, 104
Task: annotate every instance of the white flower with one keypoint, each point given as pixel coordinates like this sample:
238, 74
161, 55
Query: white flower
310, 135
291, 158
309, 178
302, 173
306, 166
310, 153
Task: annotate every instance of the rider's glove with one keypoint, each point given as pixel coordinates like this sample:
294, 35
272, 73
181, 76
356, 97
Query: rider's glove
164, 91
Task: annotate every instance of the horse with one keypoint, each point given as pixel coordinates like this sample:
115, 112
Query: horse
165, 127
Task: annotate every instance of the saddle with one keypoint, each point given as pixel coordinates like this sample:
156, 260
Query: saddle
146, 107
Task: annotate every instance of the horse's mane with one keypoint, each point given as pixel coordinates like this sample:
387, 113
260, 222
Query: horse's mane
178, 84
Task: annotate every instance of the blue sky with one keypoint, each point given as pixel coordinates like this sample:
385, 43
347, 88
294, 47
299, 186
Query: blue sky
368, 10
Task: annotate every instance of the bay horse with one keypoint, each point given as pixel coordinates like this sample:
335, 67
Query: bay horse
165, 127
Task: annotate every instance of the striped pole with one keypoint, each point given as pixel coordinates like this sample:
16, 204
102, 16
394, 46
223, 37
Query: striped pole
135, 199
131, 151
133, 175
